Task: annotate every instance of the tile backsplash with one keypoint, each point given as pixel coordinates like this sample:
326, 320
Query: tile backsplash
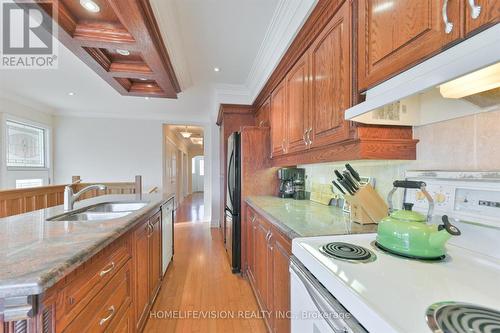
469, 143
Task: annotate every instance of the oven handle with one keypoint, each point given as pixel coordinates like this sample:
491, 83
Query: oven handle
318, 295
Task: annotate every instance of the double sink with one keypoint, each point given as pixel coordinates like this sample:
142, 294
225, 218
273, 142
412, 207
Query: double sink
101, 211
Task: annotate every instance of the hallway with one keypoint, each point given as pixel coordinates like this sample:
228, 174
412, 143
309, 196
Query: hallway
192, 209
199, 293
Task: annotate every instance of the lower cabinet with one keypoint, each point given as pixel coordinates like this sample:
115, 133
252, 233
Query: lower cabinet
112, 291
268, 257
147, 261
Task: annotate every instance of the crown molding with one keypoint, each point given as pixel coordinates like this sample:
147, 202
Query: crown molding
169, 29
288, 18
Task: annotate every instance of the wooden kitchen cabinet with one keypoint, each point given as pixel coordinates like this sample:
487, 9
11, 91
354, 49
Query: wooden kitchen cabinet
263, 114
155, 255
331, 80
141, 258
487, 15
394, 35
147, 260
267, 269
297, 106
278, 120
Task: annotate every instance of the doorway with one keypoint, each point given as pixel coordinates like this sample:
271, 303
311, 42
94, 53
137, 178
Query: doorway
197, 173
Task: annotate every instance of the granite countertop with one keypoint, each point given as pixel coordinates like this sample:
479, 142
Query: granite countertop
36, 253
304, 218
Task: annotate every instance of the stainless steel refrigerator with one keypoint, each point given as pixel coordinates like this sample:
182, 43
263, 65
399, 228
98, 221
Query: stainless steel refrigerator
232, 224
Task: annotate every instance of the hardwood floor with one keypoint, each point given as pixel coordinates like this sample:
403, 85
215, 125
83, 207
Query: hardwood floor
192, 209
199, 283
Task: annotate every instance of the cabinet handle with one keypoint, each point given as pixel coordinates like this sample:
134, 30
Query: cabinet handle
309, 136
304, 137
475, 10
107, 270
268, 236
283, 146
111, 309
150, 228
252, 219
448, 26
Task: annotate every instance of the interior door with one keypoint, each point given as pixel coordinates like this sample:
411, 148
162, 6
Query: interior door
331, 80
394, 35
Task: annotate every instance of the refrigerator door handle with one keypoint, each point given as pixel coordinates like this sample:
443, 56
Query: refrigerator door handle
228, 210
229, 175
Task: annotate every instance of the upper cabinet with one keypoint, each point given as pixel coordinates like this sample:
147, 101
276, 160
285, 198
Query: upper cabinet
393, 35
278, 121
297, 115
331, 81
480, 14
263, 114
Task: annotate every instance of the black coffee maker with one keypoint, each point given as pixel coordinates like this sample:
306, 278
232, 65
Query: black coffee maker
292, 183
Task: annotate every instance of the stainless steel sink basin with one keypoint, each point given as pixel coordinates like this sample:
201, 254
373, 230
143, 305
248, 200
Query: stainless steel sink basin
100, 212
106, 207
89, 216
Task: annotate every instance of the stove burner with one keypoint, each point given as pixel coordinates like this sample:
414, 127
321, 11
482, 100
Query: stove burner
346, 251
397, 254
451, 317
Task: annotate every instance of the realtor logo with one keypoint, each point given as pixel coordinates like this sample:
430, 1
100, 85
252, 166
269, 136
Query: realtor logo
28, 35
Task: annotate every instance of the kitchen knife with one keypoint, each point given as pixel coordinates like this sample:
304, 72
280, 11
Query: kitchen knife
348, 178
338, 187
347, 186
339, 175
353, 172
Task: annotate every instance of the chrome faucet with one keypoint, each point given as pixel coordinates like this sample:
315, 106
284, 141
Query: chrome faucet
70, 197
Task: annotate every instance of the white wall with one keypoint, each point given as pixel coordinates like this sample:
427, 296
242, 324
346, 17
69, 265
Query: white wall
101, 149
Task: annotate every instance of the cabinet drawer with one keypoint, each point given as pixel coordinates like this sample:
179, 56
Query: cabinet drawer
108, 307
85, 283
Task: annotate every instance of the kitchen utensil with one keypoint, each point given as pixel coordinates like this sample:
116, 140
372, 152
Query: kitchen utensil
354, 184
338, 187
353, 172
347, 186
406, 232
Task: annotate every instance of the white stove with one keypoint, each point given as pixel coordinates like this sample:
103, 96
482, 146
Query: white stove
387, 293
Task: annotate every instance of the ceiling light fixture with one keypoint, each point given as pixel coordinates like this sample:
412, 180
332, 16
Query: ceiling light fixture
185, 134
123, 52
482, 80
71, 94
90, 5
216, 69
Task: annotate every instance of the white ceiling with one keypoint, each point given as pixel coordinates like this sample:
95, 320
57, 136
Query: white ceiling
200, 35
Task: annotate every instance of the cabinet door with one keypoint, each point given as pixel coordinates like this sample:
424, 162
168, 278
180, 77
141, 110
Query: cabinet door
250, 244
481, 14
395, 35
297, 105
331, 80
278, 123
155, 255
261, 263
263, 114
280, 283
141, 259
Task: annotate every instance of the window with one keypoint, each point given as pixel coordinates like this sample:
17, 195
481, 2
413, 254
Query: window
193, 165
25, 145
202, 167
25, 183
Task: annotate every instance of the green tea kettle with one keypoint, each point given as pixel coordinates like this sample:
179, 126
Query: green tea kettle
407, 233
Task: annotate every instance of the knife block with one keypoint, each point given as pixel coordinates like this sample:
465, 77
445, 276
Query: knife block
367, 206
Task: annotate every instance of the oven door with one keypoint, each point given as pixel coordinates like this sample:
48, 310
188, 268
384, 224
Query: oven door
313, 308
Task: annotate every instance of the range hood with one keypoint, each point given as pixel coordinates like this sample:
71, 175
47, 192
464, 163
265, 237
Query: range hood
415, 97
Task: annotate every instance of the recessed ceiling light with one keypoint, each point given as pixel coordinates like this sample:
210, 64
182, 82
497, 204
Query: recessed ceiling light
90, 5
123, 52
71, 93
143, 79
216, 69
146, 97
